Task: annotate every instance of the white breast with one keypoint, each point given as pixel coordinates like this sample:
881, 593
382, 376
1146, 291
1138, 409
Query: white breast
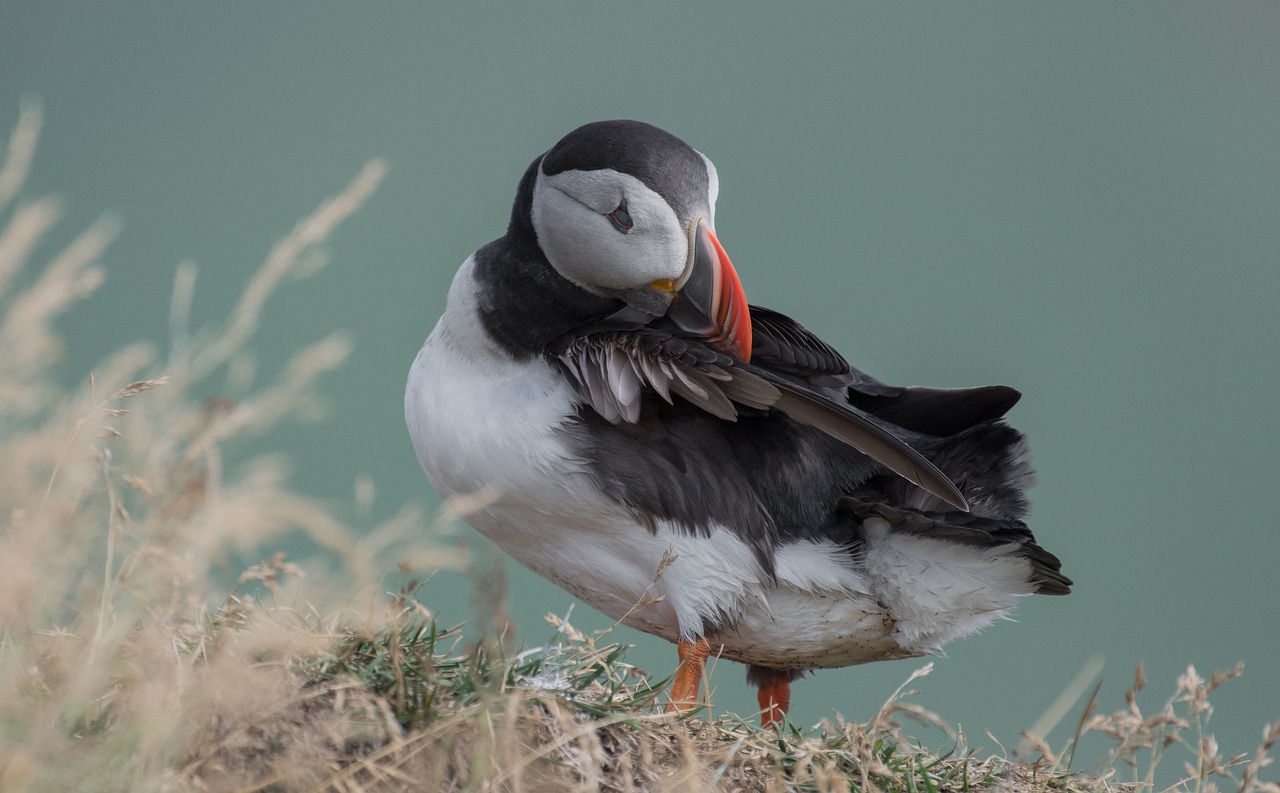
482, 421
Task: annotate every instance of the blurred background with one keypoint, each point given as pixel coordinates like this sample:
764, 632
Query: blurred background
1079, 200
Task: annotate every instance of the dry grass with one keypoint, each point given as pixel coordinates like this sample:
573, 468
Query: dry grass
118, 514
125, 666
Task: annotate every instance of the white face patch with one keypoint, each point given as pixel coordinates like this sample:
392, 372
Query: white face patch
570, 217
713, 190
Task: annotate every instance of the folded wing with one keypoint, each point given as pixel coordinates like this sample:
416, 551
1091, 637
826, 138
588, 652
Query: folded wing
613, 367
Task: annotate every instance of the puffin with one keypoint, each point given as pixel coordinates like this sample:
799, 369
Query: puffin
698, 468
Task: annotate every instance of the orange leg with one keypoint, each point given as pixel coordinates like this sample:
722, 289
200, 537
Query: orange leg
775, 701
684, 689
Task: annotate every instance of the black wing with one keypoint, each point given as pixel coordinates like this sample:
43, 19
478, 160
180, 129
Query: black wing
784, 346
614, 367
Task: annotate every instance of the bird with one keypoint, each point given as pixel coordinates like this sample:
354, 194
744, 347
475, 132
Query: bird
698, 468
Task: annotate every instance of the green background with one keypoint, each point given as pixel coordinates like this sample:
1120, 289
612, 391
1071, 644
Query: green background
1080, 200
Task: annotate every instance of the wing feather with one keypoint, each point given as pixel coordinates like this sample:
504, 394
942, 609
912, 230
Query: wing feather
868, 436
611, 367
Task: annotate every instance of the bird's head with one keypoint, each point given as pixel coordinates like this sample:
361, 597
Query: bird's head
626, 211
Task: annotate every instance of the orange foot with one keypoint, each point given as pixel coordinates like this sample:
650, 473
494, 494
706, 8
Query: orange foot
775, 700
684, 689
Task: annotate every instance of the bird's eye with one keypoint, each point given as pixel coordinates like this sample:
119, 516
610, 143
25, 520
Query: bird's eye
621, 218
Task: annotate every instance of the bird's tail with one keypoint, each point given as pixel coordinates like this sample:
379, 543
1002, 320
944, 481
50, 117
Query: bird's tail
990, 464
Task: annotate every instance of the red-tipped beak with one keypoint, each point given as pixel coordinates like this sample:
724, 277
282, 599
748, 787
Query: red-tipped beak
709, 300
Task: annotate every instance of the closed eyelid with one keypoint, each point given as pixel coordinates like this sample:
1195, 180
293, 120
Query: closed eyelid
621, 217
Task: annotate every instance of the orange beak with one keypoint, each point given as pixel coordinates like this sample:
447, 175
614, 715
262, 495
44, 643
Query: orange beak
709, 300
